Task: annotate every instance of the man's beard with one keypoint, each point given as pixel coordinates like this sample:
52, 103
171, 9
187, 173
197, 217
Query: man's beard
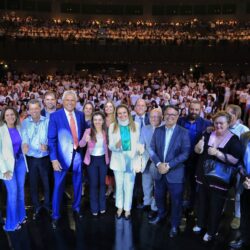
193, 116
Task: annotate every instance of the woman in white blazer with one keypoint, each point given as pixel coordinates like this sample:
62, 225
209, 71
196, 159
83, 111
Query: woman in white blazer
13, 168
124, 144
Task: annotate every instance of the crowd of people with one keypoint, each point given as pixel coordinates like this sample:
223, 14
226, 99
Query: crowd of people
143, 137
159, 88
182, 32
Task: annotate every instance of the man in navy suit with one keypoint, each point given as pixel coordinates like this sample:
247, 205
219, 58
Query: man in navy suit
170, 148
66, 128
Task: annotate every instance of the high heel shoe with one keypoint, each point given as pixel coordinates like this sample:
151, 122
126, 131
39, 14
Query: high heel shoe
119, 214
127, 215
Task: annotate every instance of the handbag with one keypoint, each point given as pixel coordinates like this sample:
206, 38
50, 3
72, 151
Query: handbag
219, 173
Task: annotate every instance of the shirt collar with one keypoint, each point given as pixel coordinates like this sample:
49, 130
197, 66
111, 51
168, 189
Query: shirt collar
235, 125
140, 116
170, 129
41, 118
67, 112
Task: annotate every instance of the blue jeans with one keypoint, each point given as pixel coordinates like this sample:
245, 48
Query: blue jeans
15, 191
97, 171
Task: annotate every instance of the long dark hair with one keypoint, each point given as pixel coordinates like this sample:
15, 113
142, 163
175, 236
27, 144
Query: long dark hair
2, 121
92, 126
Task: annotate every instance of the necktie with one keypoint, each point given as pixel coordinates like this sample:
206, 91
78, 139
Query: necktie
72, 125
141, 121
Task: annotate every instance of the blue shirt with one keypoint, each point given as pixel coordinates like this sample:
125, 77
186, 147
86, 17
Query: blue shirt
192, 130
247, 158
34, 134
169, 132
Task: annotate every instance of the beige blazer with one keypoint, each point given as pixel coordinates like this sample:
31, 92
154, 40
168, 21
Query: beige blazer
7, 159
117, 161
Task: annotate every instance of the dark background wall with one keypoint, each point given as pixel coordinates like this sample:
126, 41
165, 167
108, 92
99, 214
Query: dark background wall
130, 9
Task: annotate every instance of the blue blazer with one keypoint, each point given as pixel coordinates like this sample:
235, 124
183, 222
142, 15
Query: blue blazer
177, 154
60, 139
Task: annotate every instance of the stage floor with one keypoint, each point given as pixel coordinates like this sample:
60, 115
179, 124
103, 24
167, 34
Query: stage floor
106, 232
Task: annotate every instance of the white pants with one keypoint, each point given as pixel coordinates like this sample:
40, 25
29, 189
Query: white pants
124, 189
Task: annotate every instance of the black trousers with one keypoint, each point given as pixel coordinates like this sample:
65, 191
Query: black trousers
245, 215
209, 208
39, 167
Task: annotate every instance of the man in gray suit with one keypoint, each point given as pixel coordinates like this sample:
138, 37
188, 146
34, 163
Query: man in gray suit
170, 148
147, 131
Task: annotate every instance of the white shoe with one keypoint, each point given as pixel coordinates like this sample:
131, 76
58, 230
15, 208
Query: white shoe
207, 237
197, 229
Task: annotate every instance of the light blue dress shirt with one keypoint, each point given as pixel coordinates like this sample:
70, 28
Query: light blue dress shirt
34, 134
168, 136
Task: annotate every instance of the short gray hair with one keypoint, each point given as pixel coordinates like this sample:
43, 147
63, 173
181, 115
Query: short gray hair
69, 92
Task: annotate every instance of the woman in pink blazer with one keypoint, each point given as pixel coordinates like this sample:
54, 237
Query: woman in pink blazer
96, 159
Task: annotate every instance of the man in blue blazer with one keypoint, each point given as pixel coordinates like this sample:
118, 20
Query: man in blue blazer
170, 148
66, 128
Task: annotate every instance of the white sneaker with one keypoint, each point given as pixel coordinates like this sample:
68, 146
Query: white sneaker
207, 237
197, 229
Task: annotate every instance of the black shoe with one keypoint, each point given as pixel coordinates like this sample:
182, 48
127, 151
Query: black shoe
54, 224
173, 232
237, 244
118, 216
143, 207
156, 220
127, 217
152, 214
77, 215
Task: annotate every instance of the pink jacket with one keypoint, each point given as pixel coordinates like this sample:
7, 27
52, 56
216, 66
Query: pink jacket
91, 145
